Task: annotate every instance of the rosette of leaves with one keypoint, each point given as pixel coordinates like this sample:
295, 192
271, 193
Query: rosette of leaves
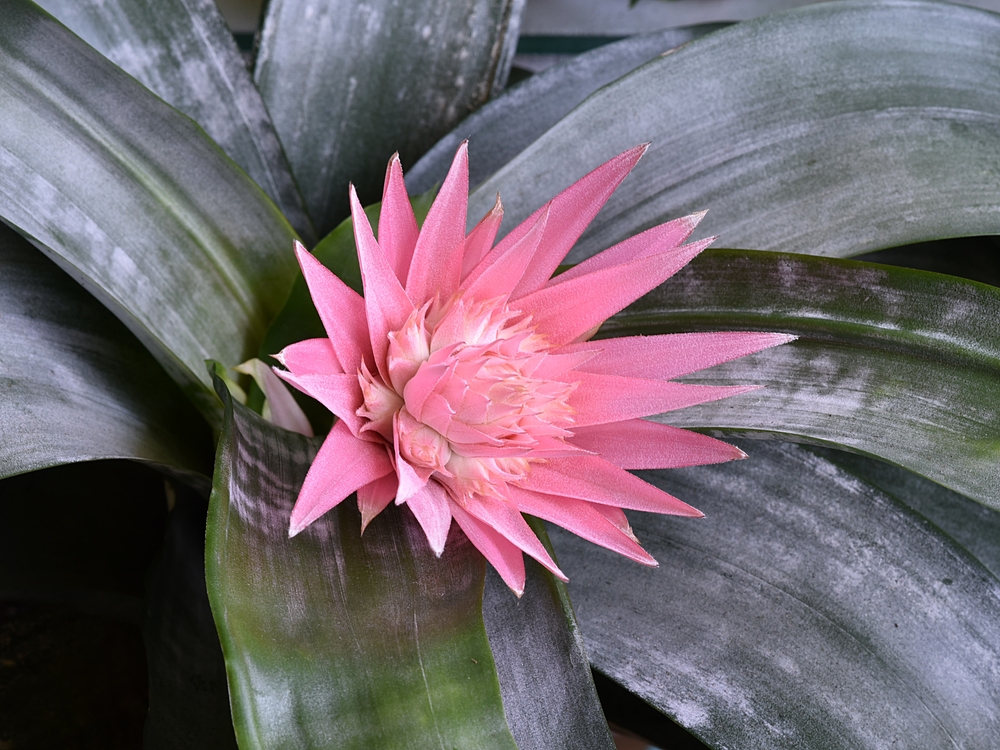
842, 590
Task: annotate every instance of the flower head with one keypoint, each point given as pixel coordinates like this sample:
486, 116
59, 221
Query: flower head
465, 386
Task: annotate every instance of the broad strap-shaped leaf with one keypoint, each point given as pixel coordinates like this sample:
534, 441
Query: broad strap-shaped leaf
895, 363
183, 52
333, 639
134, 200
76, 384
971, 525
545, 679
832, 129
347, 84
806, 610
505, 126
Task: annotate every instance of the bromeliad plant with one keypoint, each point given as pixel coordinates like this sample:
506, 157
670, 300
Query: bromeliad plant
826, 599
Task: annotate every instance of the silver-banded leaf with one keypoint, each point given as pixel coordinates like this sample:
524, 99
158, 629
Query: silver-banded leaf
76, 384
806, 610
505, 126
135, 202
894, 363
347, 84
334, 639
183, 52
832, 129
545, 678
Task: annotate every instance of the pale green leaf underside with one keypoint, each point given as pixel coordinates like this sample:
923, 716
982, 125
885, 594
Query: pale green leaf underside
135, 202
76, 384
349, 83
895, 363
333, 639
831, 130
183, 52
806, 610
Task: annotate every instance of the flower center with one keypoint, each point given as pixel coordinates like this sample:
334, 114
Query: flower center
468, 398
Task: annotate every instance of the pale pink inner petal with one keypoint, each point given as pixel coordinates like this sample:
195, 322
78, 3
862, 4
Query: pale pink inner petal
564, 312
342, 465
595, 480
671, 355
582, 519
341, 309
433, 512
641, 444
375, 496
500, 553
599, 399
397, 226
437, 259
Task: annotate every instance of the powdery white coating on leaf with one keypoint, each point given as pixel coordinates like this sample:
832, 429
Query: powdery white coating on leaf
466, 378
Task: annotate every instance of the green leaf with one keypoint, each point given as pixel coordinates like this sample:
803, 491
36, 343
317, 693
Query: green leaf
136, 202
499, 130
76, 384
333, 639
183, 52
832, 129
806, 610
538, 650
348, 84
894, 363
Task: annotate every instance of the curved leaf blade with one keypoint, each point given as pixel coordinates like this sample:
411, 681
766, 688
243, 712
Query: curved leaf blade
183, 52
806, 610
499, 130
833, 129
133, 199
76, 384
332, 638
545, 680
894, 363
349, 84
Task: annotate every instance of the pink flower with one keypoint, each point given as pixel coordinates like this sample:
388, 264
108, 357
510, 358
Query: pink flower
465, 387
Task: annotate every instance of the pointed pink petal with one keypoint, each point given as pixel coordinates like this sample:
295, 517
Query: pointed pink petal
311, 356
566, 311
342, 465
498, 277
397, 227
616, 516
671, 355
341, 309
375, 496
650, 242
595, 480
411, 479
433, 512
599, 399
501, 554
641, 444
341, 394
507, 520
572, 210
583, 519
437, 259
386, 304
480, 239
555, 365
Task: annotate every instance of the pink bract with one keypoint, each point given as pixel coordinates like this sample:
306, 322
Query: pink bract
465, 387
